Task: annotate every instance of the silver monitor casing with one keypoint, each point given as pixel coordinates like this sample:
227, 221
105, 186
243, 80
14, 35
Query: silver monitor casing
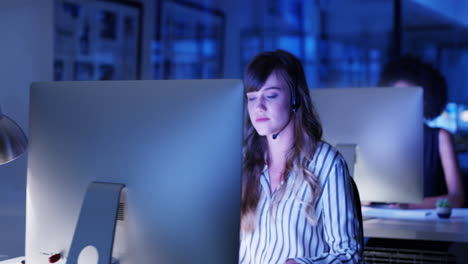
177, 147
386, 125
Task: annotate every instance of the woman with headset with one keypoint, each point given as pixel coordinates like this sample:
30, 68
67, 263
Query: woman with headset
297, 199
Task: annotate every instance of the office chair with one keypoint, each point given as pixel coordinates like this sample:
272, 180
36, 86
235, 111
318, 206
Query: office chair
357, 203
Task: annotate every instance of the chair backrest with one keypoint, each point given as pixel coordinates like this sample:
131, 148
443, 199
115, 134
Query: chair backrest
357, 203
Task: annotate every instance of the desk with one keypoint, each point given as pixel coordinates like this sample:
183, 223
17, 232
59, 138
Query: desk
13, 260
420, 224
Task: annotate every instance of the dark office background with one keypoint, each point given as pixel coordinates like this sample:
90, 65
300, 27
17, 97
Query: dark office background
342, 43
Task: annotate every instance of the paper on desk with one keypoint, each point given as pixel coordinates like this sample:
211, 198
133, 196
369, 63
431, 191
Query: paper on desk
414, 214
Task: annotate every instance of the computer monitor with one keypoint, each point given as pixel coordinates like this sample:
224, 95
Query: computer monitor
380, 133
175, 145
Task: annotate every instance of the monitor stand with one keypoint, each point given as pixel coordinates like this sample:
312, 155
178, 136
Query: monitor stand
96, 223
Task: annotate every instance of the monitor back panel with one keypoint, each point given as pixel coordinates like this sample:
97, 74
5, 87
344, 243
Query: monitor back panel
176, 145
386, 124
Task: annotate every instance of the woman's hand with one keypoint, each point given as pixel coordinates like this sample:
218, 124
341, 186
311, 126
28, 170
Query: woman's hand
291, 261
425, 205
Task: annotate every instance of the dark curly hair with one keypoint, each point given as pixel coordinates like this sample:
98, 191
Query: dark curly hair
413, 70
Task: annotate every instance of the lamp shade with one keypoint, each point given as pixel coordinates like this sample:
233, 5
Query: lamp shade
13, 141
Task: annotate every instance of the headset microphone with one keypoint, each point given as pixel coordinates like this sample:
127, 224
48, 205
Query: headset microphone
274, 136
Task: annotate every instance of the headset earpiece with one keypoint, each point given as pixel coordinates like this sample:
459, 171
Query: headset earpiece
294, 103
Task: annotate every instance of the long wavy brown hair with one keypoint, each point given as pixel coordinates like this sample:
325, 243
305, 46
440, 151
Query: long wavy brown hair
307, 135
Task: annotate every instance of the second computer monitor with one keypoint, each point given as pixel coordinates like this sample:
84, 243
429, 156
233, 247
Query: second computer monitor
383, 128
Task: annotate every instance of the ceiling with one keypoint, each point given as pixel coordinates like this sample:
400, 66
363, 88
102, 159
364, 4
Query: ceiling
422, 21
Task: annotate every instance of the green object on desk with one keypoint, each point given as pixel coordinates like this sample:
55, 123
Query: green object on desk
443, 203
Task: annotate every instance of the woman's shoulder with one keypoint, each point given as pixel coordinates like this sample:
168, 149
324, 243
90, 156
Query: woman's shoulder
328, 163
326, 150
326, 156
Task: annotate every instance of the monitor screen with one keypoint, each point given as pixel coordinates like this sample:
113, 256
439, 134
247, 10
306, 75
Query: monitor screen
175, 145
383, 128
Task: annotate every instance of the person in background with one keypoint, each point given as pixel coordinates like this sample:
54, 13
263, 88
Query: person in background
442, 178
297, 200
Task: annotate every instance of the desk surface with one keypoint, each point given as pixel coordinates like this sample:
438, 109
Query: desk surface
415, 224
13, 260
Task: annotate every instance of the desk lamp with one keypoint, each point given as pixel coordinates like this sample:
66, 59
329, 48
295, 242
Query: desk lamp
13, 141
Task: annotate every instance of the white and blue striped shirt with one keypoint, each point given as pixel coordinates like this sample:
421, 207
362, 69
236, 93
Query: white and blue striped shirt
335, 236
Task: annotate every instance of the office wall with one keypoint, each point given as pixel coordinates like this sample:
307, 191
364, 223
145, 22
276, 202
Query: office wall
238, 15
454, 10
25, 56
26, 52
149, 25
